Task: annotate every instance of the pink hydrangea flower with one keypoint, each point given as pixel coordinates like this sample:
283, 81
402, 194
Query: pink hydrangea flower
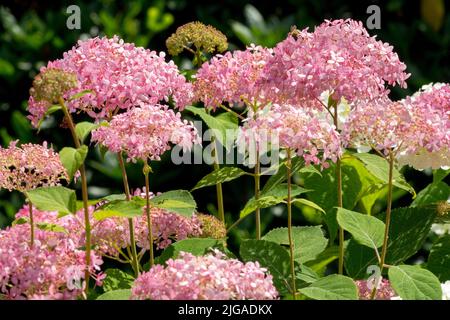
53, 268
339, 57
384, 290
120, 75
30, 166
303, 132
210, 277
146, 132
232, 77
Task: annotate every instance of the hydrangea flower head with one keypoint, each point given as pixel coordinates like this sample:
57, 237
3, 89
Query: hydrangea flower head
310, 136
119, 75
195, 34
384, 290
339, 56
232, 77
211, 226
210, 277
146, 132
30, 166
51, 84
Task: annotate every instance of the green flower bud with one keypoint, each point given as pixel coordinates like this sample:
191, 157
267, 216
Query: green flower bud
211, 226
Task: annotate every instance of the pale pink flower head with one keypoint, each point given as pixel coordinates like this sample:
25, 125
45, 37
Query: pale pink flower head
303, 132
53, 268
119, 76
209, 277
30, 166
146, 132
339, 57
384, 290
232, 77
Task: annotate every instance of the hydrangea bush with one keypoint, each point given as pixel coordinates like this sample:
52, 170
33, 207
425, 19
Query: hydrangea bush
340, 143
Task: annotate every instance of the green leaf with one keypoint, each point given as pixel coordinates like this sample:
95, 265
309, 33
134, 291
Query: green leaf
122, 294
176, 201
309, 242
224, 174
367, 230
117, 279
119, 208
83, 129
379, 167
224, 127
50, 227
271, 256
414, 283
440, 174
58, 198
307, 203
280, 175
263, 202
80, 94
439, 259
195, 246
21, 220
281, 191
433, 193
310, 169
333, 287
408, 230
72, 159
320, 263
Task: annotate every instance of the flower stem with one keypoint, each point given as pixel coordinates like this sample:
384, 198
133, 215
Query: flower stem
134, 260
149, 216
289, 209
338, 174
219, 191
388, 220
84, 194
257, 188
30, 206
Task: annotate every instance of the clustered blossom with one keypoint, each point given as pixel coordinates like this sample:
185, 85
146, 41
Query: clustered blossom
146, 132
339, 56
195, 34
210, 277
384, 290
311, 137
232, 77
415, 129
119, 76
211, 227
53, 268
30, 166
51, 84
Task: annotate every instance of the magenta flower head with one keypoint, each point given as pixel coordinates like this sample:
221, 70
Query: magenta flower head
210, 277
146, 132
384, 290
339, 57
118, 75
303, 132
53, 268
414, 129
232, 77
30, 166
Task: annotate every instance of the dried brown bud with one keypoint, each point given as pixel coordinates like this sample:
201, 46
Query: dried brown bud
51, 84
211, 227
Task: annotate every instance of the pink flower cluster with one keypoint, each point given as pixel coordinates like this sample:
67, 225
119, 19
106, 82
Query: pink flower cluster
53, 268
210, 277
30, 166
146, 132
120, 75
384, 290
416, 129
297, 130
232, 77
339, 56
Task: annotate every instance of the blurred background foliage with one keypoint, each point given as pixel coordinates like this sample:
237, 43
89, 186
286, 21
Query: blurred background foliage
34, 32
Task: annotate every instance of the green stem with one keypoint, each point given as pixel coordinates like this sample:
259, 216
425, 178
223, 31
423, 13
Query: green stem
257, 189
388, 221
30, 206
84, 194
289, 208
338, 174
149, 216
134, 258
219, 191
